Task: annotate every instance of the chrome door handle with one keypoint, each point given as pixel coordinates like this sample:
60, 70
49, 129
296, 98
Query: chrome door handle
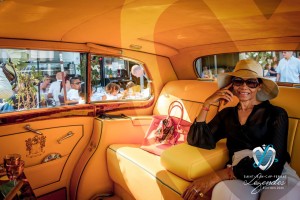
27, 127
69, 134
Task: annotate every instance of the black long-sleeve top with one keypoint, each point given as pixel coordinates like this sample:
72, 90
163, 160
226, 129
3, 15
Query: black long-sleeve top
267, 124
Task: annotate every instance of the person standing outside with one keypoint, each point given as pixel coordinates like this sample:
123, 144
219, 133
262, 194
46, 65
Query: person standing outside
45, 85
6, 92
5, 87
73, 93
206, 73
55, 89
288, 69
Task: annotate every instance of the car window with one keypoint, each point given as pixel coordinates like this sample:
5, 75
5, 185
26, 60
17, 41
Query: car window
118, 79
280, 66
39, 79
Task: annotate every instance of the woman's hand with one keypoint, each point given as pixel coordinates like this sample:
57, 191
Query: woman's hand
198, 189
223, 94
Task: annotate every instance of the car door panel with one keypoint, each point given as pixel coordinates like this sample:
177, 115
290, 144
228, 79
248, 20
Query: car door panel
61, 143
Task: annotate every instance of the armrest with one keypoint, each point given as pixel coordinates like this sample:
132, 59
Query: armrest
190, 162
141, 120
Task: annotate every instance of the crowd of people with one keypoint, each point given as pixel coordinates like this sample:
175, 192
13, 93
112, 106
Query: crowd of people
50, 93
58, 92
53, 93
114, 91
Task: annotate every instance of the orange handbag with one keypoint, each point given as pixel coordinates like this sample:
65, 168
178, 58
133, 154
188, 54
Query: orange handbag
166, 131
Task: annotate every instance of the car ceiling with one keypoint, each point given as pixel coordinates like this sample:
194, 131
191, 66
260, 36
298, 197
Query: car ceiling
165, 27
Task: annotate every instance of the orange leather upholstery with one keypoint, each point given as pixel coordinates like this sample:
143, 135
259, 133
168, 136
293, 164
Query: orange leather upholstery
196, 163
191, 93
141, 175
133, 170
34, 148
288, 99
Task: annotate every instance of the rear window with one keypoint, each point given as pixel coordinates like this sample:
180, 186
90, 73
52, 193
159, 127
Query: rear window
280, 66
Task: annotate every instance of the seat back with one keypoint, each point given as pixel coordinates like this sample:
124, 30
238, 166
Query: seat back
191, 93
288, 98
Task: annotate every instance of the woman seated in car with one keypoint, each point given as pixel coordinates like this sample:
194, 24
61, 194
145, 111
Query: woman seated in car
253, 124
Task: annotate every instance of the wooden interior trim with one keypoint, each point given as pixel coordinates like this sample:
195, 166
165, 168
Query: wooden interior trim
89, 110
46, 113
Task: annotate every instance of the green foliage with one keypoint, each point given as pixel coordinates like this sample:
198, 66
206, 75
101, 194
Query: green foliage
26, 90
83, 65
27, 87
262, 58
95, 67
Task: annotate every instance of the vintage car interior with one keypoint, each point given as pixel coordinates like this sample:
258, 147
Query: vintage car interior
128, 60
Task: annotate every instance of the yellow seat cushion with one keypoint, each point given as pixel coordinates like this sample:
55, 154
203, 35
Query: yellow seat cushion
141, 174
190, 162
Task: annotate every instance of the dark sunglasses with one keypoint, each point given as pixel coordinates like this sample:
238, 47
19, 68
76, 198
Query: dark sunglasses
77, 83
251, 83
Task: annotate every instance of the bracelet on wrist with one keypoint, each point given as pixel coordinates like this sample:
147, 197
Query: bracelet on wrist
205, 108
230, 173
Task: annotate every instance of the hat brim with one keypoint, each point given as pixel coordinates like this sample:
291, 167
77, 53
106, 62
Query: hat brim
269, 88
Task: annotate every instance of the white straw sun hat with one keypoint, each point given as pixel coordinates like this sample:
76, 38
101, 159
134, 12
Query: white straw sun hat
250, 69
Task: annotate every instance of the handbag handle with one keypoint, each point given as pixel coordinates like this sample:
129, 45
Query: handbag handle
172, 106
